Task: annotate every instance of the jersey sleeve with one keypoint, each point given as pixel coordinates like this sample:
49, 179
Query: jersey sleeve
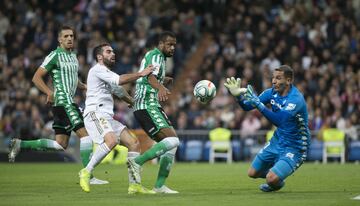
156, 62
107, 76
49, 62
264, 97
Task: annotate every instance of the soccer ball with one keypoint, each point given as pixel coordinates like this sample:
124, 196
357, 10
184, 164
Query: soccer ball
204, 91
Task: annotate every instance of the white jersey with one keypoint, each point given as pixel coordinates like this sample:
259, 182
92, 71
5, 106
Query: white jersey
100, 82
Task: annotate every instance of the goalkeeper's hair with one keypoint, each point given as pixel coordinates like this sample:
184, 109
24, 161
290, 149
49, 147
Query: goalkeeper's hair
288, 71
98, 50
65, 27
164, 35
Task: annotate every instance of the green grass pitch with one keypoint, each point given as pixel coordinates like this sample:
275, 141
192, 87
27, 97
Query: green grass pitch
199, 184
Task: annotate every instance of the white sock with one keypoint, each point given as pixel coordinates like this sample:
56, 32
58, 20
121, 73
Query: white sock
132, 155
100, 152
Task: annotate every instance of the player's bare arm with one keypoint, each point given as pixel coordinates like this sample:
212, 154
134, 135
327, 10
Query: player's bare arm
163, 91
168, 81
128, 99
123, 95
127, 78
81, 85
38, 80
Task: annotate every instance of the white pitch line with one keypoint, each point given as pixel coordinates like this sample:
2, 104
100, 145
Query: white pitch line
356, 198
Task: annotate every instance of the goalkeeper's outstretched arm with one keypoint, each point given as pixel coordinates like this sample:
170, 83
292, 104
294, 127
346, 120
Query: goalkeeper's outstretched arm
234, 87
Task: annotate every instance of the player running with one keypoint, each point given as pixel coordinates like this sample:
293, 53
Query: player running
63, 66
287, 149
149, 113
98, 115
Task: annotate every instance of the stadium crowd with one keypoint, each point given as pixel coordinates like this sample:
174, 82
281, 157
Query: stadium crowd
250, 39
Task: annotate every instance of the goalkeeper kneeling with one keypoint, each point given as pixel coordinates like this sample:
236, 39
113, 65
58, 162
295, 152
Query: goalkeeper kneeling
287, 149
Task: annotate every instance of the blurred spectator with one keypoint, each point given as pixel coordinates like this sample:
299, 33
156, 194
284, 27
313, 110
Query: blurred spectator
249, 40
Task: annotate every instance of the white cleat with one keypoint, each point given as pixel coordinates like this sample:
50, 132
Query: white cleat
14, 149
95, 181
165, 190
134, 170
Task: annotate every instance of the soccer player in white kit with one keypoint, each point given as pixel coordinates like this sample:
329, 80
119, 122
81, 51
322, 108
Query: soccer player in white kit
102, 83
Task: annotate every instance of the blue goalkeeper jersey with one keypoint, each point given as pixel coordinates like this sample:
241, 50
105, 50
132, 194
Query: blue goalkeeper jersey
288, 114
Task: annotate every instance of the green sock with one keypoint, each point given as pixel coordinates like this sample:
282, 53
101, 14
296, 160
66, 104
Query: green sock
41, 144
166, 161
155, 151
86, 150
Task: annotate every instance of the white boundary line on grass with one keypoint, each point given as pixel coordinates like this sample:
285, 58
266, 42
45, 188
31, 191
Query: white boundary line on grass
356, 198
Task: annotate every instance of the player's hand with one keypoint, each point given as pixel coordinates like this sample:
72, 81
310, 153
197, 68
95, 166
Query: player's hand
163, 94
50, 98
234, 86
148, 70
253, 99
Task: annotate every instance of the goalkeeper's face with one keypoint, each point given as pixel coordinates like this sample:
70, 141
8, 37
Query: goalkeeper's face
280, 83
108, 56
66, 39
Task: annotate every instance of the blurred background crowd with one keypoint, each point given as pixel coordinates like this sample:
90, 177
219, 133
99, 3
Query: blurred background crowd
319, 39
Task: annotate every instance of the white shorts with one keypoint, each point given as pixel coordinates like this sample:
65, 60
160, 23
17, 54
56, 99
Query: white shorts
98, 124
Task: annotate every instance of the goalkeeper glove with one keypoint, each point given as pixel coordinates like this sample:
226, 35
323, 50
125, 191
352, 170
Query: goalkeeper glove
234, 86
253, 99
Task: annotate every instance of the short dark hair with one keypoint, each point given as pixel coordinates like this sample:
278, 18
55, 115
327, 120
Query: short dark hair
164, 35
288, 71
98, 50
65, 27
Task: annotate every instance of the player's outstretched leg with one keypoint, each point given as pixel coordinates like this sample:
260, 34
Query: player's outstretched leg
39, 144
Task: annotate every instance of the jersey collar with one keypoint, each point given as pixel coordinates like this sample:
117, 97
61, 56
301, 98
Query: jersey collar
63, 50
158, 50
290, 91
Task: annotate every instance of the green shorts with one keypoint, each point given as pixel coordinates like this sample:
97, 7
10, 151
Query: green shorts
67, 118
152, 120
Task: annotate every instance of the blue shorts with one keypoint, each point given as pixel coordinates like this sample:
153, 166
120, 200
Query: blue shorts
282, 162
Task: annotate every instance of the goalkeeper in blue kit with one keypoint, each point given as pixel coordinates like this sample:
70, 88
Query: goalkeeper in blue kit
287, 149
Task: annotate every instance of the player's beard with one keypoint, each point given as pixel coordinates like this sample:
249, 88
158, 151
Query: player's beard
108, 63
281, 88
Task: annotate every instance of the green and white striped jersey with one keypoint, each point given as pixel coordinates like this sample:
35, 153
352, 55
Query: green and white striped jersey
146, 96
63, 68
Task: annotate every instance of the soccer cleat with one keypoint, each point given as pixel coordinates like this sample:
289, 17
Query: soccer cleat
85, 180
139, 189
96, 181
134, 170
165, 190
268, 188
14, 149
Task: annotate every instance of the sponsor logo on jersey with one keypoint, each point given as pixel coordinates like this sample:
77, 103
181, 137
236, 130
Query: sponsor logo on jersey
272, 102
290, 107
